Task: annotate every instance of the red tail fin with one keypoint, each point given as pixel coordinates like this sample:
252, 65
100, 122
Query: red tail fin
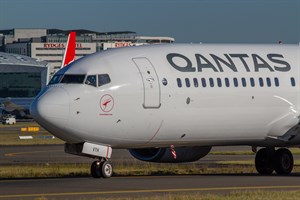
69, 55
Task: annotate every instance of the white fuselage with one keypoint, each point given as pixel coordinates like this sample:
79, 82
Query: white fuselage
143, 105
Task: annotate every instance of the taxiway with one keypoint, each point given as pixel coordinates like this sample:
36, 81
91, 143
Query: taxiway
78, 188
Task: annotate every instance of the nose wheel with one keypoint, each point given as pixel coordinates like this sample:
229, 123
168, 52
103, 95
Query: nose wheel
102, 169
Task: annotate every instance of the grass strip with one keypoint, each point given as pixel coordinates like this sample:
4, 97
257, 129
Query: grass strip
245, 162
83, 170
295, 151
9, 135
46, 170
248, 195
19, 124
245, 195
225, 153
8, 139
12, 138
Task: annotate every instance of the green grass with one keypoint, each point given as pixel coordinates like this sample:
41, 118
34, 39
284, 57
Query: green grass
245, 162
295, 151
19, 124
139, 169
238, 195
46, 170
9, 135
248, 195
232, 153
7, 139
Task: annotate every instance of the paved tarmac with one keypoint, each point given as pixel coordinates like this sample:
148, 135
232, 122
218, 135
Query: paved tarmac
88, 188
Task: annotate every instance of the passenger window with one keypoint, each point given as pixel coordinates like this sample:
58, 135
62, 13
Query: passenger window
211, 82
261, 82
276, 80
268, 82
165, 81
187, 82
103, 79
293, 82
179, 82
227, 82
73, 79
203, 81
244, 82
219, 82
196, 82
235, 82
91, 80
252, 82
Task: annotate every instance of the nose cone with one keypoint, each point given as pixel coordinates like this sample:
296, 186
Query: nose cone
51, 109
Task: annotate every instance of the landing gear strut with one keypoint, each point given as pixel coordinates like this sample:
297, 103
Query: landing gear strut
102, 169
267, 160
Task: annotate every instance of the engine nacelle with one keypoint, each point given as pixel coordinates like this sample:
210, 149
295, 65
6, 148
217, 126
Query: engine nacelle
164, 155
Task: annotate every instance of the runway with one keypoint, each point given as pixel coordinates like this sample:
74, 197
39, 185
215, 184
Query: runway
78, 188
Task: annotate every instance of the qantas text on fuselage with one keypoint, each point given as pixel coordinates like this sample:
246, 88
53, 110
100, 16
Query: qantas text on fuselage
233, 62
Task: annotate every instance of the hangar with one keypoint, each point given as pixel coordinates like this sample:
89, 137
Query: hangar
21, 79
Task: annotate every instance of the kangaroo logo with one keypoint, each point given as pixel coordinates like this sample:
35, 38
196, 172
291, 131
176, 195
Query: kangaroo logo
106, 103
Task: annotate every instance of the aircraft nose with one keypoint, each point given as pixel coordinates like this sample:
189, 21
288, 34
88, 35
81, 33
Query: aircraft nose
51, 109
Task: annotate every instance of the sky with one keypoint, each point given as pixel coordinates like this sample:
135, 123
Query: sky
188, 21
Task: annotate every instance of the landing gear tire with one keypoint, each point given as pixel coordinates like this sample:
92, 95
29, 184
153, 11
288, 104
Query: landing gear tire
102, 169
263, 161
284, 161
106, 169
96, 171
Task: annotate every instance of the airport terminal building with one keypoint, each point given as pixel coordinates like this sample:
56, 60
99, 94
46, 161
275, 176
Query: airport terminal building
21, 78
49, 44
52, 52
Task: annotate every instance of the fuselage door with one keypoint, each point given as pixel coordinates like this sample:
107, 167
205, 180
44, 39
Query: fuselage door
150, 82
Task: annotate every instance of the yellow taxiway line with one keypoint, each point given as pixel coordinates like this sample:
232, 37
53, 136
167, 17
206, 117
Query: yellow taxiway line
27, 153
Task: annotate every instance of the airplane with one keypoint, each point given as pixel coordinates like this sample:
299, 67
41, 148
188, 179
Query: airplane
172, 103
9, 107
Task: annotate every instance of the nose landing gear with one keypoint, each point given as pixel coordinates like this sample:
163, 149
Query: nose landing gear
102, 169
267, 160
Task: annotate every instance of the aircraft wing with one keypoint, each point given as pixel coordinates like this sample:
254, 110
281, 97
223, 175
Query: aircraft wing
9, 106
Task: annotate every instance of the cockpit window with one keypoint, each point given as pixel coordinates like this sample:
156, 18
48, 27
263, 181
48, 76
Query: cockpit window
56, 79
103, 79
91, 80
73, 79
